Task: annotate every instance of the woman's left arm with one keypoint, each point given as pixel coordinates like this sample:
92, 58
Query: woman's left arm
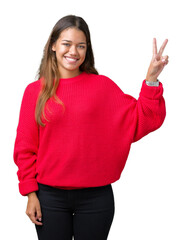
149, 111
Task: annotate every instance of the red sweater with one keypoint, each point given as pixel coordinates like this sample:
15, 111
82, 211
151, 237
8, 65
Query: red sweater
88, 144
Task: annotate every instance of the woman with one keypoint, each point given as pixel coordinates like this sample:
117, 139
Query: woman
74, 135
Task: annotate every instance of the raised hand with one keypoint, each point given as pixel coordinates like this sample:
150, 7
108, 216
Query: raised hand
157, 63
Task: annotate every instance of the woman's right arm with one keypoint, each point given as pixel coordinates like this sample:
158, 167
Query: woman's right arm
34, 209
27, 141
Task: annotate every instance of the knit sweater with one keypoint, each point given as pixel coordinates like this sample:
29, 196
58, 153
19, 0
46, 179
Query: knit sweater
86, 145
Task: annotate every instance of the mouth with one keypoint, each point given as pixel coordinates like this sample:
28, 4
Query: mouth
71, 59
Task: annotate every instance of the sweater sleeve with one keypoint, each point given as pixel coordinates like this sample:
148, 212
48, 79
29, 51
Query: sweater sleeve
148, 112
26, 143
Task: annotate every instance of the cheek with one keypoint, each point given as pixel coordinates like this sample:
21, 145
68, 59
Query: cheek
83, 54
61, 51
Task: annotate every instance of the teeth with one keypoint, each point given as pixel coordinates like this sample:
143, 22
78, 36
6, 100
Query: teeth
71, 59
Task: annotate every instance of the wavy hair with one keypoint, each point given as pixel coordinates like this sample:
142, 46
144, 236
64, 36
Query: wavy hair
48, 71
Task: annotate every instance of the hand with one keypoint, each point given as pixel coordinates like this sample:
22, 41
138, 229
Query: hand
33, 209
158, 62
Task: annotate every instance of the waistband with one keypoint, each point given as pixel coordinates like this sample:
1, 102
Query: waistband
49, 187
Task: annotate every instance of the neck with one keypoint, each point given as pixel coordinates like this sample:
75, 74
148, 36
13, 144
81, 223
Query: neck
69, 74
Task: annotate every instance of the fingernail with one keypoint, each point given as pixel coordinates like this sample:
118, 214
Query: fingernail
40, 219
163, 60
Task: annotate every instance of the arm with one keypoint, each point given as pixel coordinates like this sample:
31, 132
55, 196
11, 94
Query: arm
26, 143
148, 112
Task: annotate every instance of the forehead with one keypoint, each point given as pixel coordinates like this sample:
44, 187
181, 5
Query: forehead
73, 34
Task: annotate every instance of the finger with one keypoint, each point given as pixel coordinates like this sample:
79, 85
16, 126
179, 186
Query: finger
39, 215
154, 46
38, 223
162, 47
35, 221
165, 59
165, 62
33, 218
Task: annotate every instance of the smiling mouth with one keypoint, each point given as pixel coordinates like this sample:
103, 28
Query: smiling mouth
71, 60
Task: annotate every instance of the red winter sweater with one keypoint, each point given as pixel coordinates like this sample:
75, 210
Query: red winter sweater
88, 144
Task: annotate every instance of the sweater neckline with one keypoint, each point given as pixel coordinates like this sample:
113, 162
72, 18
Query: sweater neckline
73, 79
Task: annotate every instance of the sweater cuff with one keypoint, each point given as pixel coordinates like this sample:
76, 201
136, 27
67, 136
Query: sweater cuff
154, 92
27, 187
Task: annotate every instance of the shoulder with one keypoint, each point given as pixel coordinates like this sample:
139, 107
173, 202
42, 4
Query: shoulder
112, 89
33, 88
100, 77
107, 81
31, 91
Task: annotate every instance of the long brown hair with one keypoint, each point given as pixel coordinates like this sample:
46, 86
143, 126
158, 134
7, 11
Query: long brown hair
48, 71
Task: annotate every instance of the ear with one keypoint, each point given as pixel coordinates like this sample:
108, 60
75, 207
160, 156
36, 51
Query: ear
53, 47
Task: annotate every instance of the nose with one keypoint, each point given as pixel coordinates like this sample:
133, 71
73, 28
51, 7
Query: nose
73, 50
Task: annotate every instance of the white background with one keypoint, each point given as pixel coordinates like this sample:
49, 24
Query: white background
148, 198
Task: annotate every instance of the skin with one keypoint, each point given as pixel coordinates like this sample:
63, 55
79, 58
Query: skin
157, 63
68, 70
72, 44
34, 209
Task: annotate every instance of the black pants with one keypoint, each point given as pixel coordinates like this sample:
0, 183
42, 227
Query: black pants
86, 213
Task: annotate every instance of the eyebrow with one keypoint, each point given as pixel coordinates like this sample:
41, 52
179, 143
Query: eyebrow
71, 41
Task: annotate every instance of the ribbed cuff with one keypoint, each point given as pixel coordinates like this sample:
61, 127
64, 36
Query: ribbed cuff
154, 92
28, 186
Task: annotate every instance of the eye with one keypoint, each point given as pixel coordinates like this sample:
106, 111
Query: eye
81, 46
66, 44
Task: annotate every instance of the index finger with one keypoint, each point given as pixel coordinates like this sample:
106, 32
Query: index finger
162, 47
154, 46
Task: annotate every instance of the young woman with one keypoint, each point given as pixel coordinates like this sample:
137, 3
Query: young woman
74, 135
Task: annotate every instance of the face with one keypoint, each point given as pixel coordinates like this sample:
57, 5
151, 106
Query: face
70, 50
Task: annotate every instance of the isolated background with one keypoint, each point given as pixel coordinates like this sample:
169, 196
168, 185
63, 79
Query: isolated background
148, 195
